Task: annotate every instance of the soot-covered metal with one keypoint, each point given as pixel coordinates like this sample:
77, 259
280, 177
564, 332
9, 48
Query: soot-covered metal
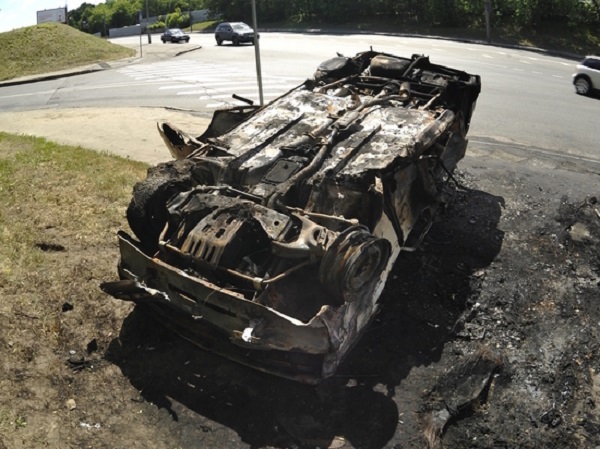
269, 238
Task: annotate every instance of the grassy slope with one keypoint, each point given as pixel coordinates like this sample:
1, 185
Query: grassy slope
50, 47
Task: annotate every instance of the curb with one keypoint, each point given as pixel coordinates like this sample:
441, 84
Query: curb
98, 67
49, 76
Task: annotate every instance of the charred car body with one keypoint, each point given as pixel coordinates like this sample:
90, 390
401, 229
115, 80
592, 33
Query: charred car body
270, 237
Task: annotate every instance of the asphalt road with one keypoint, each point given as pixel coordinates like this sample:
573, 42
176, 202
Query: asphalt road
527, 107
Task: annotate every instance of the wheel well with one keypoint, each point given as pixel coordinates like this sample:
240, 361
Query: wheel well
584, 76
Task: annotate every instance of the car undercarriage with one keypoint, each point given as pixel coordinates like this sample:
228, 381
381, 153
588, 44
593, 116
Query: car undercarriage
269, 238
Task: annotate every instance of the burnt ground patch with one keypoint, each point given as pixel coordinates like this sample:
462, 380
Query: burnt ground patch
375, 389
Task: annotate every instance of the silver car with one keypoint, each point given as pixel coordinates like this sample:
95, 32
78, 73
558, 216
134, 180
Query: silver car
236, 32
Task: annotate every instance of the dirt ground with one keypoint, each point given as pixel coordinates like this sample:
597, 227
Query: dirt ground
487, 337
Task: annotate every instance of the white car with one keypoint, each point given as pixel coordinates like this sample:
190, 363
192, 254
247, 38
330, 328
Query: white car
587, 75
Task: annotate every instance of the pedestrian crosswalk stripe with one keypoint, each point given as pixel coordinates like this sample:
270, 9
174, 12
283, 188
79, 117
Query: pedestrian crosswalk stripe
280, 89
195, 86
241, 94
209, 81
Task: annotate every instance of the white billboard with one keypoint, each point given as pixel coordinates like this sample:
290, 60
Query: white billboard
52, 15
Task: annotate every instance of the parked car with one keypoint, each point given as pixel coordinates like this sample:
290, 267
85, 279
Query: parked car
587, 75
270, 237
174, 35
236, 32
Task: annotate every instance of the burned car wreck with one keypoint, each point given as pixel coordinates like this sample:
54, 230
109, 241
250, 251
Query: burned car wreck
269, 238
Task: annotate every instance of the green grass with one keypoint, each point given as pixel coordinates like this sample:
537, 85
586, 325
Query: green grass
55, 193
60, 207
51, 47
207, 26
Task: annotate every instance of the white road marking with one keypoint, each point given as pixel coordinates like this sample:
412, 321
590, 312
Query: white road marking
280, 89
32, 94
190, 86
209, 81
241, 94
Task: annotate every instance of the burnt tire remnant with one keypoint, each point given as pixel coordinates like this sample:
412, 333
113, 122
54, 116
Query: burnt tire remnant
147, 211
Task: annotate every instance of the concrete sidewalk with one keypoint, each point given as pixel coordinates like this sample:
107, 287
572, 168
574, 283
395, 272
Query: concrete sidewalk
128, 132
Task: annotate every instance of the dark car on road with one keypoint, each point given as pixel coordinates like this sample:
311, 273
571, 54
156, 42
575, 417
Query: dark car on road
236, 32
587, 75
174, 35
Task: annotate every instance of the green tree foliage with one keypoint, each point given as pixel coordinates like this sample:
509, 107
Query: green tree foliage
177, 19
164, 7
158, 26
526, 14
98, 20
235, 10
119, 13
123, 12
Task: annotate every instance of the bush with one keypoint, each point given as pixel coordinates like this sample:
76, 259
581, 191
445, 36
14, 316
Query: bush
178, 20
158, 26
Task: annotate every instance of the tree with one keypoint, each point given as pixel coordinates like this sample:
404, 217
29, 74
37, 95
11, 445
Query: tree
123, 13
76, 17
177, 19
98, 20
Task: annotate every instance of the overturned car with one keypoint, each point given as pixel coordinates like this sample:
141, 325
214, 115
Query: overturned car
270, 237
